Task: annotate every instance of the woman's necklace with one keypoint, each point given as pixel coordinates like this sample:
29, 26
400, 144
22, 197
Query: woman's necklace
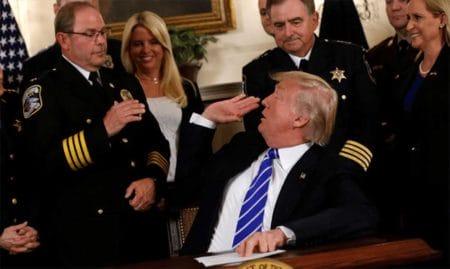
154, 80
421, 71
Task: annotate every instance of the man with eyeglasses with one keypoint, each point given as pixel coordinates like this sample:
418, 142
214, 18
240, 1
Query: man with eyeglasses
96, 160
46, 59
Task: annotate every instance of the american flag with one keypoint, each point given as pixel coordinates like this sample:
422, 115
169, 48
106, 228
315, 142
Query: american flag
13, 51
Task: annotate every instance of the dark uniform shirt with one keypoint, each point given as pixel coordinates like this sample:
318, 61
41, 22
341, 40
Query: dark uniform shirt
343, 66
79, 176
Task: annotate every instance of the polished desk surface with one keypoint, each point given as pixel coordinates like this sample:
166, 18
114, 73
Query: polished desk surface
369, 252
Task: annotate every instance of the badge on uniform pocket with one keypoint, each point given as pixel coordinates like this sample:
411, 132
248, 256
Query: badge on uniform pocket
126, 95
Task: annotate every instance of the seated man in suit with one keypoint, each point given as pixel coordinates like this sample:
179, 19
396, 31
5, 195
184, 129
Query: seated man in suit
294, 193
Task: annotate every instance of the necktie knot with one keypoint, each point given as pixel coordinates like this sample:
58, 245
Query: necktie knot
303, 65
273, 154
403, 45
95, 79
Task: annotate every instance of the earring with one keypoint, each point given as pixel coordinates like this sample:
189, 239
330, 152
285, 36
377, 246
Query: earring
441, 26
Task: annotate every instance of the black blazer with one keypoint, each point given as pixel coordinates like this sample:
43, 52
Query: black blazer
195, 104
318, 201
356, 117
422, 151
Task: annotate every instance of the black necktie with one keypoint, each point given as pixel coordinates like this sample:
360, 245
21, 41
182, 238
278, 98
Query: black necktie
403, 46
303, 65
95, 79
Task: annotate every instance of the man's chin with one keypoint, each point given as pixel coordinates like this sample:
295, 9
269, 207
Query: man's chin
261, 126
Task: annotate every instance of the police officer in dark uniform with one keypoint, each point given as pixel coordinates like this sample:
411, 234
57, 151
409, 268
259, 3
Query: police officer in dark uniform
47, 59
340, 64
391, 56
12, 208
95, 156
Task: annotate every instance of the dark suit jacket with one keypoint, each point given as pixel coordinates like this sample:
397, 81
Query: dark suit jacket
356, 117
422, 151
82, 213
195, 104
318, 201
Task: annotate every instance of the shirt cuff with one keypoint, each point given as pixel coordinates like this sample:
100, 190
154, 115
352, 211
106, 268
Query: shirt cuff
289, 234
198, 119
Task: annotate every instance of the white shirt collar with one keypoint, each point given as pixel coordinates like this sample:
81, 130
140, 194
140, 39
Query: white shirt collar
297, 59
83, 71
290, 155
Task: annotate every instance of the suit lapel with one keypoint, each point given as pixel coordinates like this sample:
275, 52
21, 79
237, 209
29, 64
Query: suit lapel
294, 186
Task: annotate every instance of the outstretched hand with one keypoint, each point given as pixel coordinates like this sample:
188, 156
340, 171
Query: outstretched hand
231, 110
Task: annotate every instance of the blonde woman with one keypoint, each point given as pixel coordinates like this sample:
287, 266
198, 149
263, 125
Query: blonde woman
147, 53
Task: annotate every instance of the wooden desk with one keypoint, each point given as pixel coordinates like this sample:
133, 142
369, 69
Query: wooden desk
372, 252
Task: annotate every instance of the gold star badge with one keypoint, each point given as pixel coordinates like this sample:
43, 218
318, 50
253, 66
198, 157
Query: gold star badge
338, 74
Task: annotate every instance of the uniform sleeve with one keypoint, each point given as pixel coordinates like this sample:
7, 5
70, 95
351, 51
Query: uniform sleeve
362, 125
47, 145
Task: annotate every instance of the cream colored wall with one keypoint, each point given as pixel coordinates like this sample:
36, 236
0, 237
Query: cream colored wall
226, 57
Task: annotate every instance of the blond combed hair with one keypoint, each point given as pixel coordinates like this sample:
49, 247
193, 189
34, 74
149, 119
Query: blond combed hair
171, 81
315, 99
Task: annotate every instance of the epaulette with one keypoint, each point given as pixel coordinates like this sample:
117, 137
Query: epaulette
343, 42
264, 54
391, 41
339, 41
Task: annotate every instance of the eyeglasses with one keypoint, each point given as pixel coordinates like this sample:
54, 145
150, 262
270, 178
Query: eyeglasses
93, 34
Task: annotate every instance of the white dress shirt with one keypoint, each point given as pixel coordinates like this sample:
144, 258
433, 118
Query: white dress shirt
237, 188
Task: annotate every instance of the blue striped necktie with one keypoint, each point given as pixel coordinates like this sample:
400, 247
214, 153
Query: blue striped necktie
252, 211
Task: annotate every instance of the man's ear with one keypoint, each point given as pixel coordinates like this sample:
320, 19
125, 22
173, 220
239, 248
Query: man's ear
300, 122
62, 40
315, 19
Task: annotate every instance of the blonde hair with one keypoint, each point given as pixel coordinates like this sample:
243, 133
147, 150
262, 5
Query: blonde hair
441, 7
317, 100
171, 81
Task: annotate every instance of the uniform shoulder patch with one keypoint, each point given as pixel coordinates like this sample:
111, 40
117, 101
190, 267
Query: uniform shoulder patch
264, 54
31, 101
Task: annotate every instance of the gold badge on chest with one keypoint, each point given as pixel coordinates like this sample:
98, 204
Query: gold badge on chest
126, 95
338, 74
